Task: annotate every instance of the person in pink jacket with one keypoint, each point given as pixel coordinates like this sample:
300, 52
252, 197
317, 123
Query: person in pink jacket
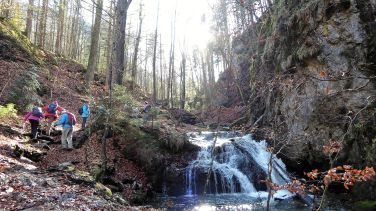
34, 116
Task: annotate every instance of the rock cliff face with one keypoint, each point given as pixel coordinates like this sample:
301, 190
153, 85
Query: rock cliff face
312, 78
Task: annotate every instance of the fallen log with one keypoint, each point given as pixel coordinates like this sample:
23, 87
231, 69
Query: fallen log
32, 155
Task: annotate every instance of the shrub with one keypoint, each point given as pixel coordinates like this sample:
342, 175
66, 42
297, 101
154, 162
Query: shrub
7, 111
122, 102
154, 111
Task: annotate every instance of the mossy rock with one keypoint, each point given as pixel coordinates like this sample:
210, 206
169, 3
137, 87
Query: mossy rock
21, 42
325, 30
96, 172
103, 189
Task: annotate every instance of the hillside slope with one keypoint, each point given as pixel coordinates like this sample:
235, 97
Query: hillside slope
139, 155
311, 69
31, 75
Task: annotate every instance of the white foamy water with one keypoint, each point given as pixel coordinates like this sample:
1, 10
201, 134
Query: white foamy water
237, 161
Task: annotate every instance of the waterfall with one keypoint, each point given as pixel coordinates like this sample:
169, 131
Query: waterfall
238, 166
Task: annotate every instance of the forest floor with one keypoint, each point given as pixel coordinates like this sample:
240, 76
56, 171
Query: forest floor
37, 175
41, 175
23, 185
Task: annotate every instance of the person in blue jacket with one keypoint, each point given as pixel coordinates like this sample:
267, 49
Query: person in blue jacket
67, 120
85, 113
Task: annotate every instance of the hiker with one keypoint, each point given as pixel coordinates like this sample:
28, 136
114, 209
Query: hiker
146, 110
84, 111
50, 113
34, 117
67, 120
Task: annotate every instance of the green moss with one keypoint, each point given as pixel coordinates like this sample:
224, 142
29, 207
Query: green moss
11, 31
325, 30
70, 168
8, 111
103, 189
306, 51
96, 172
366, 205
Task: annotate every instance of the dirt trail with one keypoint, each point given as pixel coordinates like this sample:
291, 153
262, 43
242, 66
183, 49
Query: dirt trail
23, 184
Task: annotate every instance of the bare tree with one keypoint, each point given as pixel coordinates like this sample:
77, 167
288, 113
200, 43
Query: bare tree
37, 23
29, 18
92, 63
110, 30
60, 27
162, 91
171, 74
154, 59
117, 66
182, 79
136, 47
43, 24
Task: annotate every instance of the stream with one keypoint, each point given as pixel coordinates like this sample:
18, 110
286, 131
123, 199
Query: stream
240, 164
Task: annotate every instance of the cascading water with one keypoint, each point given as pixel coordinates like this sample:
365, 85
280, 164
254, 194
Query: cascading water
238, 166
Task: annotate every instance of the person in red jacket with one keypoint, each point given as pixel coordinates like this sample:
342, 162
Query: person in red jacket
51, 114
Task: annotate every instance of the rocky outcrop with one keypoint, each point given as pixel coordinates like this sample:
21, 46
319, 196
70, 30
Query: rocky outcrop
164, 154
312, 78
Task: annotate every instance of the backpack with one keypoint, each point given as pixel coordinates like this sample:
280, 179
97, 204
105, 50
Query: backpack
147, 108
37, 112
52, 108
81, 110
71, 119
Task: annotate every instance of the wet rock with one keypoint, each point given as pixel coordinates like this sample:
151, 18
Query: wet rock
184, 116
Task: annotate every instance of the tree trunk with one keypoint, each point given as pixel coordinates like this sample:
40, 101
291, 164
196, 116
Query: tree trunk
60, 27
127, 55
74, 31
161, 67
155, 58
182, 75
42, 24
145, 68
92, 63
37, 24
171, 77
111, 22
117, 66
29, 18
204, 81
135, 55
